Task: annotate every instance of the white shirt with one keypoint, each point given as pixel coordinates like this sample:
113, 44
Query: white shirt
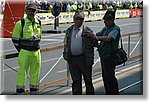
76, 41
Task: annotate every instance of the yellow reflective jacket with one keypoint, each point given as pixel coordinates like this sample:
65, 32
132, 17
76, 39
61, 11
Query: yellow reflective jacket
29, 29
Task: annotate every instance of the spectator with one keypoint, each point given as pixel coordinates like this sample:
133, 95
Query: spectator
68, 9
109, 37
80, 61
74, 7
2, 7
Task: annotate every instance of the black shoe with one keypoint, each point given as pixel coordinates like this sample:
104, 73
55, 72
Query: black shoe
34, 91
20, 91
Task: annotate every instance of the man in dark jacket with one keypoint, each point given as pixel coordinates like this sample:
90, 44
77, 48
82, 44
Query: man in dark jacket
79, 53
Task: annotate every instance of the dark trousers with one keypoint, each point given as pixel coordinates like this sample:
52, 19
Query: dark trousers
108, 74
77, 68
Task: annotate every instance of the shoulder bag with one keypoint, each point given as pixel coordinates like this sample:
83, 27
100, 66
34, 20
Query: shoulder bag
120, 55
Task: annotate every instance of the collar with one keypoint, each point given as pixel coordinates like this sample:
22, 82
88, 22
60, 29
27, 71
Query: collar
77, 28
110, 26
28, 21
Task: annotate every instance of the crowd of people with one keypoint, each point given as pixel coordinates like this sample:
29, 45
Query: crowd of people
70, 6
2, 6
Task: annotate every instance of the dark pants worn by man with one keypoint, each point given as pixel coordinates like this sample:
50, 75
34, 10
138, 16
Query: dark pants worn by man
78, 68
108, 74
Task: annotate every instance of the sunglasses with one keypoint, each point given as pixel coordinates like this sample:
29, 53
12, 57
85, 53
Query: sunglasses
78, 18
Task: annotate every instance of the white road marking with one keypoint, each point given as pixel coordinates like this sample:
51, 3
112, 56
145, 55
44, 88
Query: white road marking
51, 68
8, 69
130, 85
62, 71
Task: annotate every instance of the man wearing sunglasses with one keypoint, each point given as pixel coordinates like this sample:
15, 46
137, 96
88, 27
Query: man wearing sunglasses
79, 53
26, 38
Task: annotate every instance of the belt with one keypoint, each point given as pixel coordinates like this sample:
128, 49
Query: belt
30, 42
77, 55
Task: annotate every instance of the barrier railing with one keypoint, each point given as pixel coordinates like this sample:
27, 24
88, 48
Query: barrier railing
129, 42
62, 46
67, 78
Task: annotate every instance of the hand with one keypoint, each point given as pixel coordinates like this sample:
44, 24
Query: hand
89, 34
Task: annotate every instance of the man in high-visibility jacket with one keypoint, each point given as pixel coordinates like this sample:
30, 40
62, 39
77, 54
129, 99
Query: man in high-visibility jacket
26, 40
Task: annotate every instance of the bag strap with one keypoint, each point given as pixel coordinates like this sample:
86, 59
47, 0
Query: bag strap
22, 24
121, 46
121, 42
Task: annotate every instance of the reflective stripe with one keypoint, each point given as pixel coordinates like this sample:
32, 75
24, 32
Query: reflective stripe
20, 87
30, 42
16, 40
27, 43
